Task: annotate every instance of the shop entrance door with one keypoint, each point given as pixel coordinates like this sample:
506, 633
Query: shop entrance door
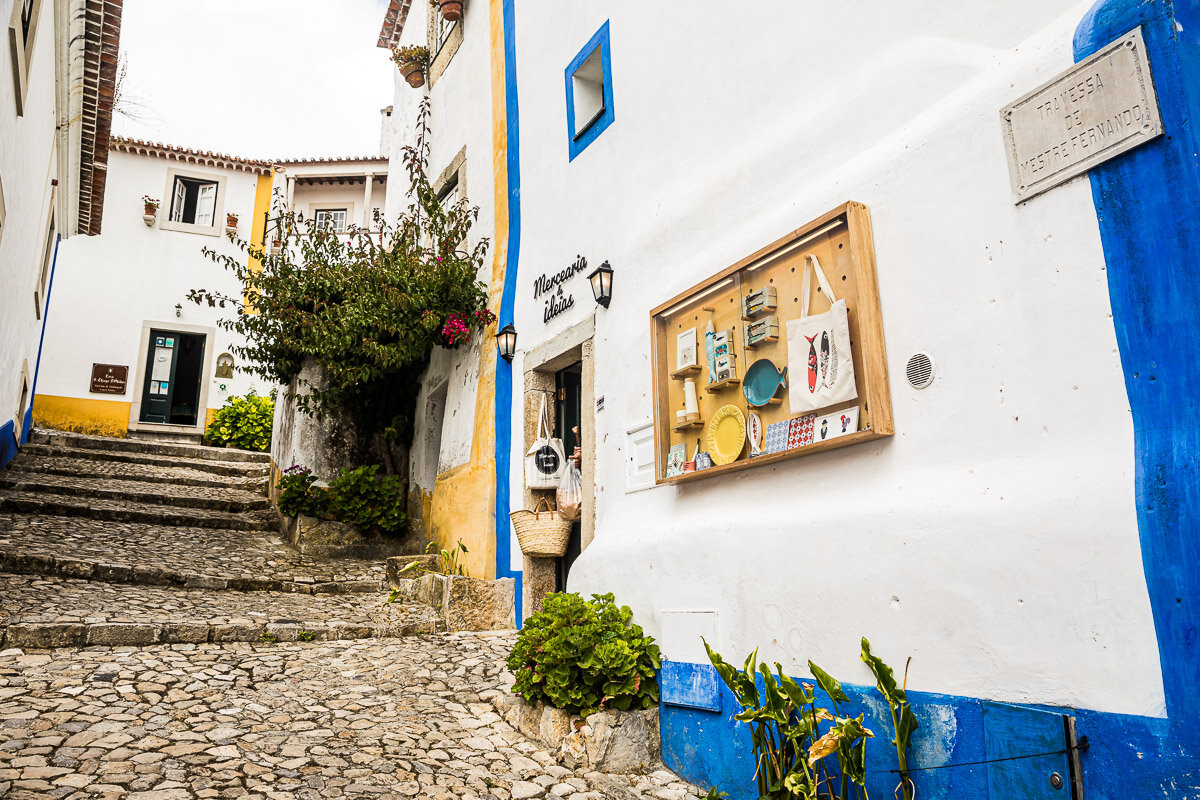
569, 385
171, 383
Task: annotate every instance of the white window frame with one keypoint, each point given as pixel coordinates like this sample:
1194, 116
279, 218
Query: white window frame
346, 206
24, 399
345, 212
3, 213
22, 51
442, 48
218, 220
41, 285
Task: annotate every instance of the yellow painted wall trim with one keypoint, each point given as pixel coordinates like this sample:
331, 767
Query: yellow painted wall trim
82, 415
258, 227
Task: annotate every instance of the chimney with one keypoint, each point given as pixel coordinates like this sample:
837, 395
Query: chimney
385, 131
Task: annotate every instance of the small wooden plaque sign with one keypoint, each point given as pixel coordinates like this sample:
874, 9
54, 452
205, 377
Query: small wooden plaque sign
109, 379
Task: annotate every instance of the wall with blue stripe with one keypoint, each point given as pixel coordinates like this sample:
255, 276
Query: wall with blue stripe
1148, 207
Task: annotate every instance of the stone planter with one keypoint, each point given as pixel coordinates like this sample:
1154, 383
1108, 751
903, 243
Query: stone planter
327, 538
607, 741
464, 604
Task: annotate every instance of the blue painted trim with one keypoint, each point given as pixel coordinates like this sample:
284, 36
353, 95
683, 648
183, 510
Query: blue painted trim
1148, 205
504, 372
37, 369
8, 443
577, 144
689, 685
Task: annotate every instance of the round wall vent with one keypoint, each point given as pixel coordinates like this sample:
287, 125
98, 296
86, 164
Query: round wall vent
919, 370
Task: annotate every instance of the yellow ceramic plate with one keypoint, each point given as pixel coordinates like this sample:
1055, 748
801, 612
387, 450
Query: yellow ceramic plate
726, 435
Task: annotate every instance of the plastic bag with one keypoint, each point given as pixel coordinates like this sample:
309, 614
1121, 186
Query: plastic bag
570, 493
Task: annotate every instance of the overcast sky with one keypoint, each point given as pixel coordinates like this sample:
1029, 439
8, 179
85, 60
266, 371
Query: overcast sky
256, 78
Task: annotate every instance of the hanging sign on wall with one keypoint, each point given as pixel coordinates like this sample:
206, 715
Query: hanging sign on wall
109, 379
550, 286
1096, 110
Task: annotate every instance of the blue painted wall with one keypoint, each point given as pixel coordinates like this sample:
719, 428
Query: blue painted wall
1148, 206
8, 444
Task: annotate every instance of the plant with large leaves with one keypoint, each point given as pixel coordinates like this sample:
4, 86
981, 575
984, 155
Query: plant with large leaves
367, 306
904, 721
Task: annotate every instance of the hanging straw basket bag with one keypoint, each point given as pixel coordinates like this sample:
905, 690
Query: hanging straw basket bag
541, 534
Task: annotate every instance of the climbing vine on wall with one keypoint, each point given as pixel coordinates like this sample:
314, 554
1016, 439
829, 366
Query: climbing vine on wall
368, 306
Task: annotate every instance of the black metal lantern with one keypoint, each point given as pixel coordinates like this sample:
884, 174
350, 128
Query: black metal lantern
506, 340
601, 280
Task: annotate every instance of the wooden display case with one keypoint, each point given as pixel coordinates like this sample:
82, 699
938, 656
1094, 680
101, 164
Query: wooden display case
841, 241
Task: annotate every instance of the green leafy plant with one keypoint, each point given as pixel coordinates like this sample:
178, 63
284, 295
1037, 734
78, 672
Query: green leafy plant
448, 563
411, 54
306, 636
297, 495
584, 656
268, 638
793, 737
904, 721
243, 422
367, 307
365, 499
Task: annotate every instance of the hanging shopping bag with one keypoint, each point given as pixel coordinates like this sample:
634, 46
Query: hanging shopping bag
545, 461
570, 493
819, 359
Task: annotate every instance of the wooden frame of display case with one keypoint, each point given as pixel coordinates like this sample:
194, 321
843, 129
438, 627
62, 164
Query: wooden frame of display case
842, 242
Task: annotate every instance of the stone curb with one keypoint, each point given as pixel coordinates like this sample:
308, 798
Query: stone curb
54, 566
28, 482
237, 469
47, 635
151, 516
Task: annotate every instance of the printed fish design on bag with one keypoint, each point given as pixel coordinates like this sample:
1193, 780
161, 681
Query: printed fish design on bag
812, 364
833, 362
824, 355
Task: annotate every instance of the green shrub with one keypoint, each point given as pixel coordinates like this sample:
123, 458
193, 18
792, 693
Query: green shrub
359, 497
243, 422
367, 500
584, 656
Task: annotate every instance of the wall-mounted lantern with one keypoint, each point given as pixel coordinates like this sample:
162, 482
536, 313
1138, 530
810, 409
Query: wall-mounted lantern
601, 280
178, 310
506, 340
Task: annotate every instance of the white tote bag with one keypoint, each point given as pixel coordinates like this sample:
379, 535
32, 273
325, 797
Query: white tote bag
545, 462
819, 360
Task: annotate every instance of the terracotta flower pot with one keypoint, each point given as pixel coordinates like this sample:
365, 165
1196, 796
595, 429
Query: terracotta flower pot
151, 210
230, 221
414, 73
451, 9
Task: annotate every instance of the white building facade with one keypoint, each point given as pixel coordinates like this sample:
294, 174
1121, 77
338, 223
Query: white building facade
1022, 527
56, 89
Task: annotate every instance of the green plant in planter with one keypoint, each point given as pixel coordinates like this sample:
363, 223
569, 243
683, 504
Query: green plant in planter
447, 561
297, 495
792, 750
243, 422
365, 499
411, 54
584, 656
904, 722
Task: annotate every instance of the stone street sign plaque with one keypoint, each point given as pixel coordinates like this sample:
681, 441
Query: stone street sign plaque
1098, 109
109, 379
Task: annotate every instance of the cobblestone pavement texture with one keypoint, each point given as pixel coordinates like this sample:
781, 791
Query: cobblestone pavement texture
222, 555
373, 718
113, 487
223, 711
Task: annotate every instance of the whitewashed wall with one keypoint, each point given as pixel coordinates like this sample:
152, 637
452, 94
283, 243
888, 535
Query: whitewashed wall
461, 117
993, 538
107, 286
27, 165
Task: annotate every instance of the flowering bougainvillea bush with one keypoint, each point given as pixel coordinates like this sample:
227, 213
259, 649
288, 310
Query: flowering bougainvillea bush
368, 306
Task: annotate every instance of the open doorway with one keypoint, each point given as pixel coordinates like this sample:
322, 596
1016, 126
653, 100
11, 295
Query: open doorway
173, 377
568, 420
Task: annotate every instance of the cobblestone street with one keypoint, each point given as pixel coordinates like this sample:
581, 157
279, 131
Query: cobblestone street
152, 657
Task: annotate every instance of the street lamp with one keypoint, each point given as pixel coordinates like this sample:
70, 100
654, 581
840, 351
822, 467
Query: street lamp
601, 280
506, 340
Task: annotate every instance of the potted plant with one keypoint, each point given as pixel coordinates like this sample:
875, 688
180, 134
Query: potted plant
412, 60
231, 220
451, 9
150, 206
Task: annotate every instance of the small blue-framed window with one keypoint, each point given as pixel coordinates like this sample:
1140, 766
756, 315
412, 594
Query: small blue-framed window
589, 92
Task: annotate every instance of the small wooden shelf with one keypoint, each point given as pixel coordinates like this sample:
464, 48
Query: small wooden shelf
774, 401
687, 426
686, 372
721, 386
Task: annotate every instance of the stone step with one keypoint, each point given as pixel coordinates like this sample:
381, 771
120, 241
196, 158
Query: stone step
130, 492
107, 443
78, 547
232, 468
118, 511
144, 473
58, 612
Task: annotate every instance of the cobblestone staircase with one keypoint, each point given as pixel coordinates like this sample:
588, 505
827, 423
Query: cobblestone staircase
116, 541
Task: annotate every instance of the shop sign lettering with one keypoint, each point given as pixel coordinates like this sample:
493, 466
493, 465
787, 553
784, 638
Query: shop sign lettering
109, 379
1095, 111
550, 286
